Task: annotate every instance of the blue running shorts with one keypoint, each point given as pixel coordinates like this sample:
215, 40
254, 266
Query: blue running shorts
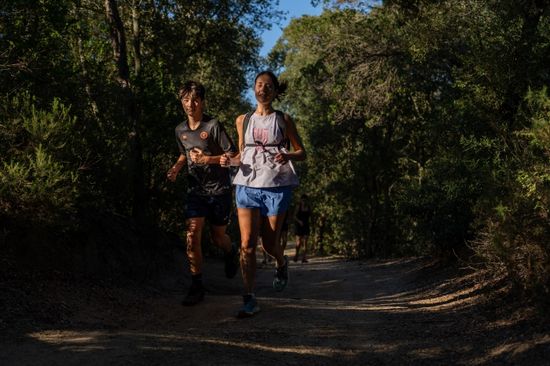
270, 201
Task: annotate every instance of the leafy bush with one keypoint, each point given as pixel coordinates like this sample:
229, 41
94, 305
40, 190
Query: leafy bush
517, 233
35, 177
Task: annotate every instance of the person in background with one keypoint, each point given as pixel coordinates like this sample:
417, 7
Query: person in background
267, 258
301, 227
284, 232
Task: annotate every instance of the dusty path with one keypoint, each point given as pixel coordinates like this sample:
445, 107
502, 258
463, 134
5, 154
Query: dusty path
334, 312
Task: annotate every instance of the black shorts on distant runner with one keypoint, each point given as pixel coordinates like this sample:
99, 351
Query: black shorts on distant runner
301, 230
216, 209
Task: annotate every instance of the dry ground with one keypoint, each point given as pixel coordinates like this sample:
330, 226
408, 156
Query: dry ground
334, 312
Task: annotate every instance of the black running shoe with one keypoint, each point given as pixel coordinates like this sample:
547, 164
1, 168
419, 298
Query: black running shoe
232, 262
281, 276
194, 296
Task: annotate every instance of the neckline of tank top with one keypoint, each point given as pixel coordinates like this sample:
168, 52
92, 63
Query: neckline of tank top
263, 116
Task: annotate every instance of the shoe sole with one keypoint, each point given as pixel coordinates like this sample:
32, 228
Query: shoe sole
280, 289
245, 314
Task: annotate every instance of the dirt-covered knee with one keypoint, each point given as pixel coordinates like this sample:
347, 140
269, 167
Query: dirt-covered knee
248, 250
192, 240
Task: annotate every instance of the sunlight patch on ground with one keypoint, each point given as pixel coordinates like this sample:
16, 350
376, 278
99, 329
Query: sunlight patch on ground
279, 349
428, 303
311, 304
515, 348
341, 307
75, 341
427, 353
449, 300
93, 341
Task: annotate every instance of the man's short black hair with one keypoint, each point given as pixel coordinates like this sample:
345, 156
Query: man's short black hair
192, 88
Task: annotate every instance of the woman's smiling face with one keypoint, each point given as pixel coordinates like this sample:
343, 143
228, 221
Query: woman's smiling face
264, 89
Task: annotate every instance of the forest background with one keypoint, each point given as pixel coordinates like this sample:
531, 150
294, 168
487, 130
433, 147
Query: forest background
427, 126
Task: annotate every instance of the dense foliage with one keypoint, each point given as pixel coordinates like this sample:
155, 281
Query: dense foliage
426, 122
89, 102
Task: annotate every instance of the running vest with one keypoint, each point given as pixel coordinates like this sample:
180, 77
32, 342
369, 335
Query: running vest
263, 139
280, 122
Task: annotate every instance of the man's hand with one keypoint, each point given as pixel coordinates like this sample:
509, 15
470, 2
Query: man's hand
172, 174
197, 156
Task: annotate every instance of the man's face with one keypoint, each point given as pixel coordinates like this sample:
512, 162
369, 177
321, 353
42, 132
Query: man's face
192, 104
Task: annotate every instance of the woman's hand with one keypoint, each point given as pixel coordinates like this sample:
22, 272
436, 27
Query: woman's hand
282, 158
227, 160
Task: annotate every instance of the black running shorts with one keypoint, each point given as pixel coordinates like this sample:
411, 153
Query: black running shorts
216, 209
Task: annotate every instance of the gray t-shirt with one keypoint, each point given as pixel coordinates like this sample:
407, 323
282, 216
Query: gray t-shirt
211, 138
263, 139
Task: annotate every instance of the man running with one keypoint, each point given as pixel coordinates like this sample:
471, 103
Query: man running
202, 140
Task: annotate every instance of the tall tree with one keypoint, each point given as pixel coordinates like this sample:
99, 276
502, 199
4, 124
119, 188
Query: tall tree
120, 55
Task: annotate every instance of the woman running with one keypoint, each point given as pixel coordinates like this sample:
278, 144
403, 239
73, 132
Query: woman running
264, 183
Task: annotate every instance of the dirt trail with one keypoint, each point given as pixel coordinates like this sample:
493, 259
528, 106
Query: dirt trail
334, 312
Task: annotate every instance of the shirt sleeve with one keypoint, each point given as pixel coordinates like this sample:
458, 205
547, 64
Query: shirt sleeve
178, 141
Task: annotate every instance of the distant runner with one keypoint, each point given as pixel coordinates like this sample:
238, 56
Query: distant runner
301, 227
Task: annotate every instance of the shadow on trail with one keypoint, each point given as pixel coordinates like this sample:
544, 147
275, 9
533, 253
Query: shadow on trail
332, 313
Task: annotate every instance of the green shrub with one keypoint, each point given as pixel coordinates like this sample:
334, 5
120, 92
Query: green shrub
516, 237
38, 174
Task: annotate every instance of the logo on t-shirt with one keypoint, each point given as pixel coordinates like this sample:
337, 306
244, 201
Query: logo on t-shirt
183, 136
204, 135
261, 135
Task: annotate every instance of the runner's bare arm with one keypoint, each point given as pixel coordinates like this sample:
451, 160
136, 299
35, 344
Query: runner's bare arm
198, 157
299, 152
174, 170
240, 133
235, 158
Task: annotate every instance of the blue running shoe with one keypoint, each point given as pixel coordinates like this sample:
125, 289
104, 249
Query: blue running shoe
249, 308
281, 277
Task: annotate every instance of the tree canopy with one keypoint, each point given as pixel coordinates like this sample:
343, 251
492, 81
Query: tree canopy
420, 118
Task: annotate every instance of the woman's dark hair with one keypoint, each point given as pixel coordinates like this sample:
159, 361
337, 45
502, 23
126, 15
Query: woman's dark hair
193, 88
280, 88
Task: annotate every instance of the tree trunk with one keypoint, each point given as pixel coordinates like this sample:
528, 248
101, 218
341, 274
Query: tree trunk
120, 55
86, 81
531, 15
137, 36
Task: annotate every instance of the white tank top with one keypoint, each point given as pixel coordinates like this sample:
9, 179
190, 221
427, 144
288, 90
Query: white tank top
263, 139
